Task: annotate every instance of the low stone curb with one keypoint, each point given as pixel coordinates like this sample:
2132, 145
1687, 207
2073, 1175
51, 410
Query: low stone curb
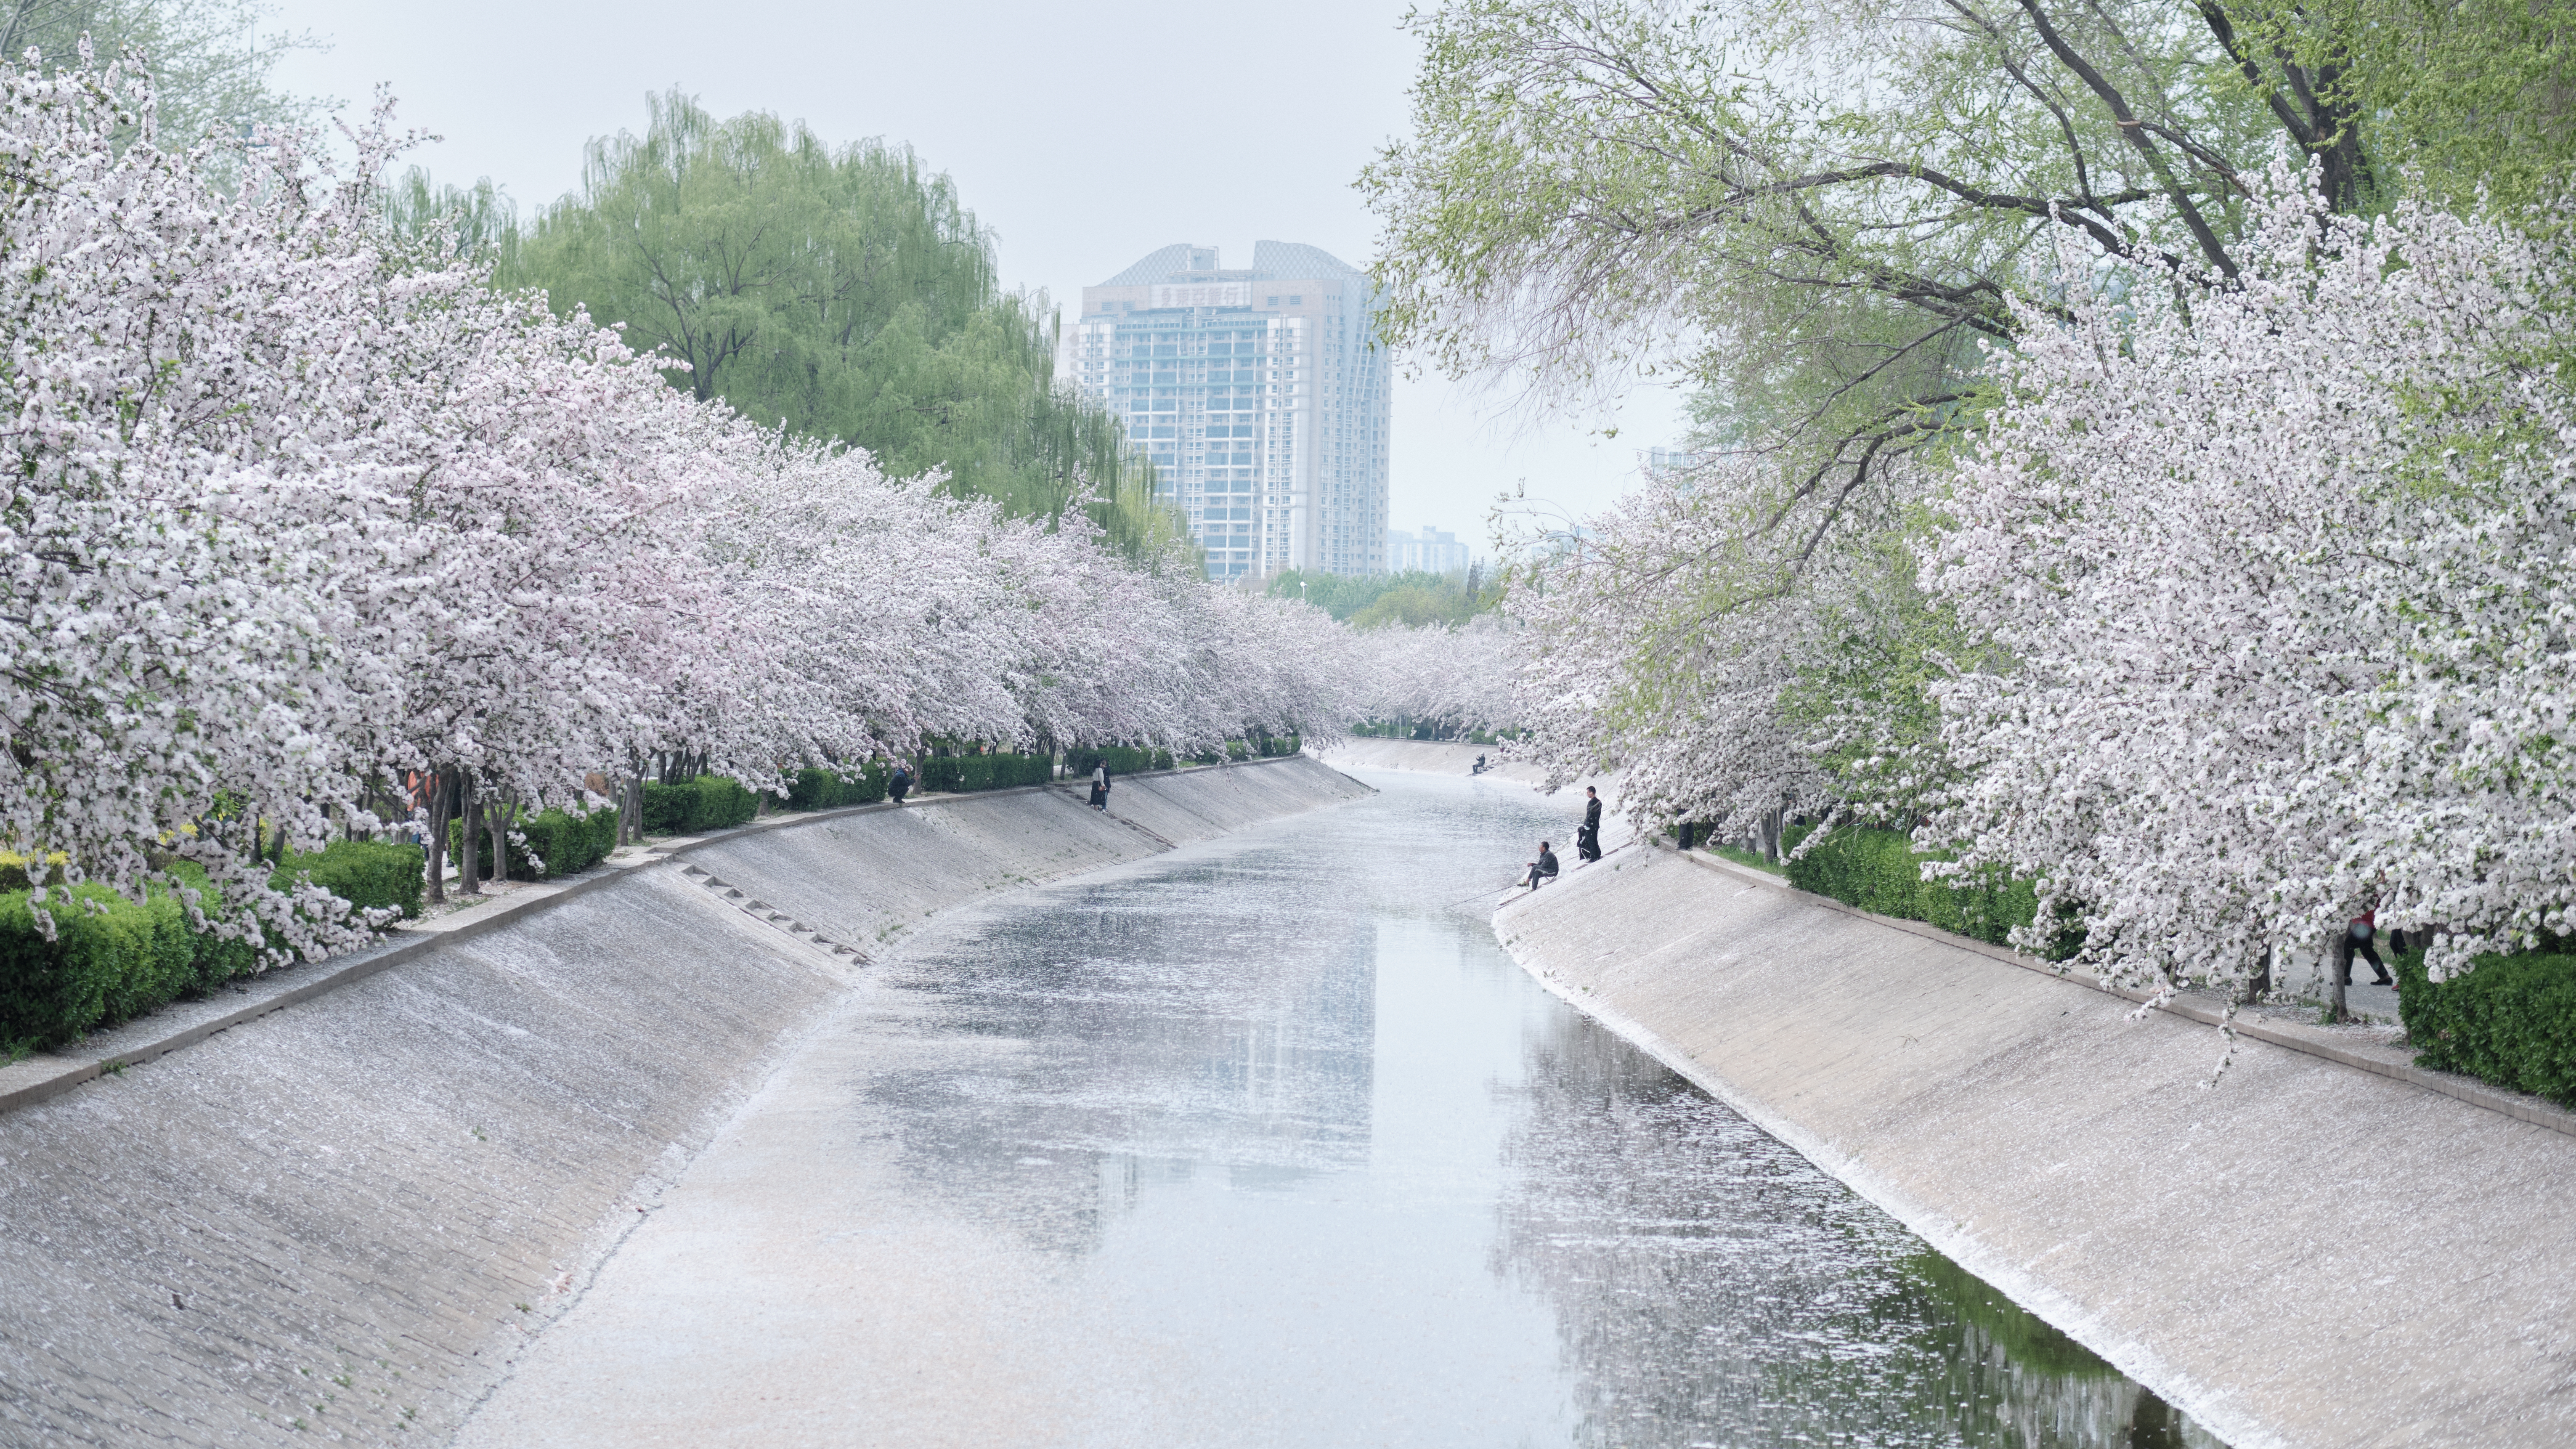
25, 1083
2533, 1110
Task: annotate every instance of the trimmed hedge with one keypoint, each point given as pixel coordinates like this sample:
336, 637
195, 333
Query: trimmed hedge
693, 807
986, 772
1121, 759
1879, 871
103, 966
365, 873
2511, 1021
830, 789
127, 958
567, 843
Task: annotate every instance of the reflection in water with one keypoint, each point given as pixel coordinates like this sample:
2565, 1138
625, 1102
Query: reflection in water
1707, 1277
1139, 1064
1314, 1147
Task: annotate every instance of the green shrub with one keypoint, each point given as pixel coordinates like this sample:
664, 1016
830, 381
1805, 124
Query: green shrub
2510, 1020
126, 958
1879, 871
107, 964
1276, 746
365, 873
986, 772
568, 844
1121, 759
832, 789
693, 807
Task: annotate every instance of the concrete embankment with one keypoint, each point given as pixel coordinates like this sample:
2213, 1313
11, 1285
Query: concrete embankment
343, 1217
2303, 1254
1437, 757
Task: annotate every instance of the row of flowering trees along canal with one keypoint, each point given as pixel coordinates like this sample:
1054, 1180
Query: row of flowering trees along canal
2134, 505
310, 528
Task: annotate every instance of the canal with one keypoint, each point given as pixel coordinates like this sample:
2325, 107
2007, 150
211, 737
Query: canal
1267, 1142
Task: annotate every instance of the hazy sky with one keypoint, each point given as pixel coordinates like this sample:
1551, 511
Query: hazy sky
1084, 134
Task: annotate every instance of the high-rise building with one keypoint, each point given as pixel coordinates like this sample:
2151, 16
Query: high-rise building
1432, 551
1261, 395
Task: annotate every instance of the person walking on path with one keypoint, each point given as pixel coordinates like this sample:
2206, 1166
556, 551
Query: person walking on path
901, 783
1587, 840
2356, 938
1542, 869
1100, 787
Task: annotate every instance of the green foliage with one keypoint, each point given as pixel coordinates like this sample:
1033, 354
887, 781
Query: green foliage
693, 807
832, 789
1862, 695
365, 873
1121, 759
210, 61
2466, 94
568, 844
1367, 601
111, 959
1879, 871
1408, 729
1741, 856
2511, 1021
839, 292
114, 959
985, 772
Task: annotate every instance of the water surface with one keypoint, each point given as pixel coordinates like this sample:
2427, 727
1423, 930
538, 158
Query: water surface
1296, 1135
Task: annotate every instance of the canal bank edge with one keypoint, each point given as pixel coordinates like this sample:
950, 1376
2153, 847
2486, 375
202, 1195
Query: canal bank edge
2302, 1255
346, 1217
185, 1023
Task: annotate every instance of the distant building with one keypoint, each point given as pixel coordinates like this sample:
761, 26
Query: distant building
1673, 460
1261, 396
1431, 551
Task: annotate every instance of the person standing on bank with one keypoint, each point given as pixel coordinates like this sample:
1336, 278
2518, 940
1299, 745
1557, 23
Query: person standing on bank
1100, 787
2356, 938
1542, 869
1587, 839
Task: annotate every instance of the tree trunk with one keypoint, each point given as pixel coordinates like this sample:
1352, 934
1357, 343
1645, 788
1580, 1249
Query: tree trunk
630, 805
440, 808
469, 847
2336, 970
2260, 984
498, 816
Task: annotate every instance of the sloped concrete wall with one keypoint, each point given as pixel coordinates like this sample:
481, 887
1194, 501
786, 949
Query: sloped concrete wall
337, 1219
1436, 757
2304, 1254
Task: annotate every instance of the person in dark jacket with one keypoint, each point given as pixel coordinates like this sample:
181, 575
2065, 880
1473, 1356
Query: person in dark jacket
2356, 938
901, 784
1542, 869
1587, 840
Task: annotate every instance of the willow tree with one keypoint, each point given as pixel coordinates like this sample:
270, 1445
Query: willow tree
835, 291
1817, 214
209, 61
1826, 220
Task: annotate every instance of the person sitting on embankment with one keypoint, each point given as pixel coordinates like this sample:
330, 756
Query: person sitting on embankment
1542, 869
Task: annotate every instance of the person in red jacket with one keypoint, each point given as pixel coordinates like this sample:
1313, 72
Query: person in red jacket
2357, 936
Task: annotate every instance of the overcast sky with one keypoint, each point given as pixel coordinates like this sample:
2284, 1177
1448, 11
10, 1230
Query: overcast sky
1084, 134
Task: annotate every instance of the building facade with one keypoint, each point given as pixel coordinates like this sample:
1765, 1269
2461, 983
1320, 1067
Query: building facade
1261, 395
1432, 551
